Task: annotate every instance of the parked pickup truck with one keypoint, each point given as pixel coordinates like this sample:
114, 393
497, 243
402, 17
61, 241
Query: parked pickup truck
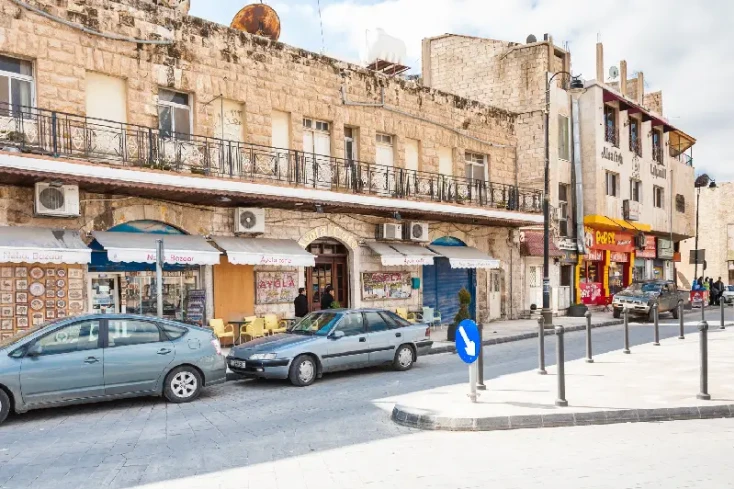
640, 297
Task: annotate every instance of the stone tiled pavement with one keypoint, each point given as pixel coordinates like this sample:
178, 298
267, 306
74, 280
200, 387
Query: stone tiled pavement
243, 431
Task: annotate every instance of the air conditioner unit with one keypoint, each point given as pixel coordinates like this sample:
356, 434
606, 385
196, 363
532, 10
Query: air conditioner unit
57, 200
389, 231
416, 231
249, 220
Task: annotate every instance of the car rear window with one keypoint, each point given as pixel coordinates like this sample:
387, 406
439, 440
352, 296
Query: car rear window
394, 320
173, 332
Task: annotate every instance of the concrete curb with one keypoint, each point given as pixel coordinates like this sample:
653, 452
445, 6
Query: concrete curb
526, 336
405, 417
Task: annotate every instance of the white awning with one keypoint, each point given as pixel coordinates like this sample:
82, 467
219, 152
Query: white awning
21, 244
466, 257
178, 249
261, 251
393, 255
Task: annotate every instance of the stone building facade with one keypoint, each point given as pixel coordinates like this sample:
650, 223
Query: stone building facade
173, 128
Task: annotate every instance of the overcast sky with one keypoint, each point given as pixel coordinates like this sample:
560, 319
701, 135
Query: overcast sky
680, 45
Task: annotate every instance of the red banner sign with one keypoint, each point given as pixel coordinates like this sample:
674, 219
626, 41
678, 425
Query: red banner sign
618, 257
590, 292
650, 250
608, 240
594, 255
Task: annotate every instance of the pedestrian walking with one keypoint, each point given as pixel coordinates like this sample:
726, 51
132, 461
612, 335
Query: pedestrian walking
719, 287
710, 288
300, 303
327, 298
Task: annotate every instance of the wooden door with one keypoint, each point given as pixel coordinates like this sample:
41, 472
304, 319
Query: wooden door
234, 291
331, 269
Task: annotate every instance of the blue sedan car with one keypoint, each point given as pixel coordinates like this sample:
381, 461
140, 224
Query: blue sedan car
102, 357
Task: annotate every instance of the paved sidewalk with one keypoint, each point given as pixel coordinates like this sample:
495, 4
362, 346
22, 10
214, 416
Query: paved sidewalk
653, 383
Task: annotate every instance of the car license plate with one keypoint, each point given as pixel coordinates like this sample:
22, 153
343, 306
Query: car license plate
237, 364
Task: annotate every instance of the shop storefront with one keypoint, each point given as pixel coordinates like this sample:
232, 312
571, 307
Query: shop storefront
608, 266
645, 261
666, 256
122, 273
41, 276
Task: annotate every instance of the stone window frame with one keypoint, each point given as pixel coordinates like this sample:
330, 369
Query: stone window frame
19, 77
635, 184
658, 197
614, 177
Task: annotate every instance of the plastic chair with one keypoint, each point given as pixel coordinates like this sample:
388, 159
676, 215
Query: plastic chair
402, 312
255, 329
220, 329
274, 325
429, 316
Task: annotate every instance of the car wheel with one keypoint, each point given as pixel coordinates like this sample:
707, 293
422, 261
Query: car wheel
4, 406
303, 371
183, 384
617, 313
404, 358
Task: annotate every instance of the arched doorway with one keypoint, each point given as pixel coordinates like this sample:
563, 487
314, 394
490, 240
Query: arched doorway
442, 283
130, 287
332, 268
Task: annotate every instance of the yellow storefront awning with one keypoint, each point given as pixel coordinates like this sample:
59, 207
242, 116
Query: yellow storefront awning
608, 223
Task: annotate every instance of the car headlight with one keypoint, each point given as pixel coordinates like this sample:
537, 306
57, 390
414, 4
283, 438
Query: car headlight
264, 356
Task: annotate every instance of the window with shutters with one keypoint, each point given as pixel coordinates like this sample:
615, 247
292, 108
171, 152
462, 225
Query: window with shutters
16, 84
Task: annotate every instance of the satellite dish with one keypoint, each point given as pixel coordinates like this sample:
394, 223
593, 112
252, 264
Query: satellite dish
531, 39
613, 72
258, 19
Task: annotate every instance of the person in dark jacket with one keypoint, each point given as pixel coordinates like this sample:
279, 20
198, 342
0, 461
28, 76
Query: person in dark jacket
719, 288
327, 298
301, 303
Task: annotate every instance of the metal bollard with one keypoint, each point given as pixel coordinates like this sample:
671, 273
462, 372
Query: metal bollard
626, 314
681, 333
541, 346
656, 319
704, 394
561, 401
721, 302
480, 361
589, 358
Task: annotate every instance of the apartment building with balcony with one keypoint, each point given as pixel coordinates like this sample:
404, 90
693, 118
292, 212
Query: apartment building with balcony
621, 203
261, 166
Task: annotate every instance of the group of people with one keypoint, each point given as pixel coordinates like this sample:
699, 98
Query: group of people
301, 302
715, 289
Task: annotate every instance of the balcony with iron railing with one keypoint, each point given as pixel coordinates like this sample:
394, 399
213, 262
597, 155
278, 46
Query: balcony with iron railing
64, 135
611, 135
635, 144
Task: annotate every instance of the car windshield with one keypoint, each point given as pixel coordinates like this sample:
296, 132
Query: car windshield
318, 323
642, 289
23, 334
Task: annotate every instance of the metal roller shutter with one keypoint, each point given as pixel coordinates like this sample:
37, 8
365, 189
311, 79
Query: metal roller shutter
441, 286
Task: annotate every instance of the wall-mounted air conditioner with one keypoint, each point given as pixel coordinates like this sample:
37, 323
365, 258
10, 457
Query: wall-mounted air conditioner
249, 220
389, 231
416, 231
57, 200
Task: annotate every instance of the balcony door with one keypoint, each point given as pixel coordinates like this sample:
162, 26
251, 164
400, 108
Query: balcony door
317, 151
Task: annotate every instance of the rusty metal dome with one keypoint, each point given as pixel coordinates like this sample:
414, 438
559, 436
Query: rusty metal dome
258, 19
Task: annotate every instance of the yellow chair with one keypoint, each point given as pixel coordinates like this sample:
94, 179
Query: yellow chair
243, 329
220, 329
255, 329
274, 325
402, 312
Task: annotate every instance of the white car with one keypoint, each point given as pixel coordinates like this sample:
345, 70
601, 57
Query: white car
728, 296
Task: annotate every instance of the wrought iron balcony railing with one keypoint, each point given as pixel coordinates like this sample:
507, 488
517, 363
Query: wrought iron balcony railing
67, 135
635, 145
657, 154
612, 136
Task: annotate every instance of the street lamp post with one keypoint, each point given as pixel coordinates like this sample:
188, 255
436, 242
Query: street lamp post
701, 182
576, 87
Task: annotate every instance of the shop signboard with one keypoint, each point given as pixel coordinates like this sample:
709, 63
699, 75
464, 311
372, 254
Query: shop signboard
650, 251
386, 285
617, 257
276, 287
591, 292
666, 249
608, 240
594, 255
570, 257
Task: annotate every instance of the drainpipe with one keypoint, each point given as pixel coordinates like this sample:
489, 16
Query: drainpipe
578, 178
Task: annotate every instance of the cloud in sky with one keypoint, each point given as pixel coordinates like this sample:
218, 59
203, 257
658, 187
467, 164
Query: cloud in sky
682, 47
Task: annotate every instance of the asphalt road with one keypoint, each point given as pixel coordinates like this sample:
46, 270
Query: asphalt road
127, 443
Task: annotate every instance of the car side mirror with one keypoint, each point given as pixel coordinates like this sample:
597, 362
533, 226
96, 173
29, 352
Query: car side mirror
35, 350
336, 335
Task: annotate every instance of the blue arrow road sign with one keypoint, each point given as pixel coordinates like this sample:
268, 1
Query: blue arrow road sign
467, 341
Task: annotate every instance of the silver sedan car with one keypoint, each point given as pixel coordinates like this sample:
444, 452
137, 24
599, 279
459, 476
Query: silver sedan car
333, 340
101, 357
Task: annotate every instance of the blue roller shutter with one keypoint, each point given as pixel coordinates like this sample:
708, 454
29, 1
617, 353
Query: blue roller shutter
441, 286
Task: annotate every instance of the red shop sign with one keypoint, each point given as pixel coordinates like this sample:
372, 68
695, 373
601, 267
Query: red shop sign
594, 255
608, 240
590, 292
650, 250
619, 257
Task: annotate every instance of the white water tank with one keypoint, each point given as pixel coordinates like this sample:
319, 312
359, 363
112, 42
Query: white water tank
383, 47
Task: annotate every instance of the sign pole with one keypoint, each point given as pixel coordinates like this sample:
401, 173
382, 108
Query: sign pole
473, 381
159, 258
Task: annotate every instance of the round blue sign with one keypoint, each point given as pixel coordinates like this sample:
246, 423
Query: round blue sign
467, 341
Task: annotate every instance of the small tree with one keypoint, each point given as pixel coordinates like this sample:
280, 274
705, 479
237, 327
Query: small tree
464, 302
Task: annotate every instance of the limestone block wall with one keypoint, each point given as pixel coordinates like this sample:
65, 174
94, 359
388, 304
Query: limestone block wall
207, 60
